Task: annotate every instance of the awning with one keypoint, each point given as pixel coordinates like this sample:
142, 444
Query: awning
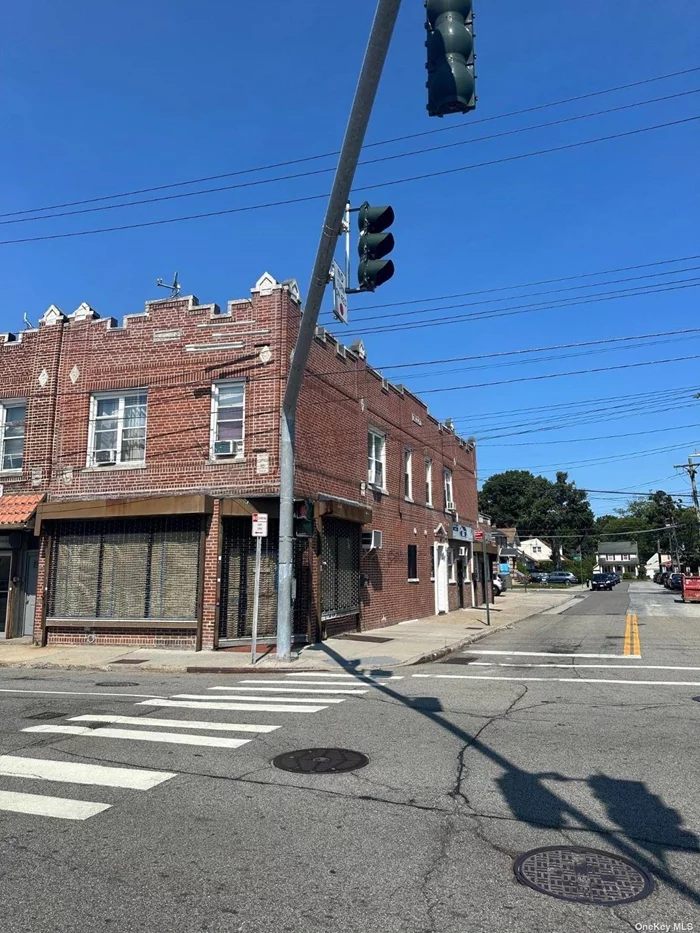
349, 511
123, 508
240, 508
17, 511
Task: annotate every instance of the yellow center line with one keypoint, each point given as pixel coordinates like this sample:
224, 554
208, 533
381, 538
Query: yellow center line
632, 645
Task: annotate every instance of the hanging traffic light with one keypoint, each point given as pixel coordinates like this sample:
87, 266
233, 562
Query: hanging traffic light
450, 64
304, 519
374, 245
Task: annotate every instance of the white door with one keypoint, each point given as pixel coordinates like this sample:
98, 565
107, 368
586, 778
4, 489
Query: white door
441, 597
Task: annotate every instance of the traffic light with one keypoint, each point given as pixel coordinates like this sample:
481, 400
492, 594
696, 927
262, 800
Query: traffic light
450, 64
304, 519
374, 245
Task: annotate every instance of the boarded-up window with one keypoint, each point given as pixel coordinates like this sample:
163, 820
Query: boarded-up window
126, 569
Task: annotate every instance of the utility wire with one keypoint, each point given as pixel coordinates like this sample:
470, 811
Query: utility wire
316, 197
384, 142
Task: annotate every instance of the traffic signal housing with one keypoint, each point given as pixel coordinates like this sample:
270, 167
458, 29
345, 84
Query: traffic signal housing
450, 65
304, 526
374, 244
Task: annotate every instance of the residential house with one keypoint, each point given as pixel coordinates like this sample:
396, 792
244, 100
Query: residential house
509, 553
535, 551
132, 458
657, 562
618, 556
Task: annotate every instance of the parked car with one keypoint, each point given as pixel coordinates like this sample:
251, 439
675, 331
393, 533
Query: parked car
538, 576
601, 581
667, 580
497, 584
655, 578
562, 576
675, 581
663, 576
615, 577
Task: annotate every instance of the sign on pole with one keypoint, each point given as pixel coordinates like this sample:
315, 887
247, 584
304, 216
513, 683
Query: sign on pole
259, 524
340, 304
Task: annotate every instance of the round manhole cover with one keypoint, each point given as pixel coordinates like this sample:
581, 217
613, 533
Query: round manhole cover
117, 683
697, 699
586, 876
321, 761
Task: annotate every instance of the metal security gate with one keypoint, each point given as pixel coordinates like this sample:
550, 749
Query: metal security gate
126, 570
340, 571
238, 581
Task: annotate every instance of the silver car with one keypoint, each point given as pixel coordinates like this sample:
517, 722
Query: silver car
562, 576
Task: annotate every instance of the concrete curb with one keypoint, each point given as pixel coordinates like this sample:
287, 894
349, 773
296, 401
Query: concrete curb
477, 636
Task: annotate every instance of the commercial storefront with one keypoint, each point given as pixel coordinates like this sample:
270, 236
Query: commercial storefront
19, 560
462, 543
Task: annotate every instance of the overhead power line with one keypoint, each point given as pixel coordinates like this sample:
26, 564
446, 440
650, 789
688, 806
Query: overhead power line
384, 142
384, 184
587, 440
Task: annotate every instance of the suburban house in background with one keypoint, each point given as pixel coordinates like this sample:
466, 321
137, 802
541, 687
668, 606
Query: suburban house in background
658, 562
534, 551
509, 544
617, 556
132, 458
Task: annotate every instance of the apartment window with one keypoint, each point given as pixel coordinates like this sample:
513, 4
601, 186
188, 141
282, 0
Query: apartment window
408, 474
447, 478
536, 548
412, 562
117, 429
428, 482
227, 419
376, 459
12, 419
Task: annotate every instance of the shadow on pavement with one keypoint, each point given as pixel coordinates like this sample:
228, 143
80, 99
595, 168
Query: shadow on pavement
636, 811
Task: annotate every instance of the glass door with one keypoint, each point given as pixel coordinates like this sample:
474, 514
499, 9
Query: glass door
5, 567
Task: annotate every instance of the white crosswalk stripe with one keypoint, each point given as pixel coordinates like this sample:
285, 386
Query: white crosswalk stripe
254, 698
173, 738
42, 805
176, 723
358, 676
278, 707
328, 690
72, 772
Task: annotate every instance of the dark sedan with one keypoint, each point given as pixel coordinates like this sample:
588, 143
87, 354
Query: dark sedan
601, 581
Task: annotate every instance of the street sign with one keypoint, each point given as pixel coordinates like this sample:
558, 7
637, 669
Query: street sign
259, 524
340, 284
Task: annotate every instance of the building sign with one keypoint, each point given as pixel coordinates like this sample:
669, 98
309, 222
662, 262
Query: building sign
462, 532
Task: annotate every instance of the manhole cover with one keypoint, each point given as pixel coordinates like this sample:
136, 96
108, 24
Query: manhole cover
586, 876
117, 683
47, 714
321, 761
697, 699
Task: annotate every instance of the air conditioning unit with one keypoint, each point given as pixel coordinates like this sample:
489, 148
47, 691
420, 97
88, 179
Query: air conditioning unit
450, 506
227, 448
372, 540
105, 457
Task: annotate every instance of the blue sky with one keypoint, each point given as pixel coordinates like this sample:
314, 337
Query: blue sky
104, 98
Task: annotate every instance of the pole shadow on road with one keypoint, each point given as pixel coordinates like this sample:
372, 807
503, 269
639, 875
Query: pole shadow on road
642, 817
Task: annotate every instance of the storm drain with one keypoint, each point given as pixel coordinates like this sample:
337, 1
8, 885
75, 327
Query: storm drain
130, 661
47, 714
321, 761
582, 875
451, 660
117, 683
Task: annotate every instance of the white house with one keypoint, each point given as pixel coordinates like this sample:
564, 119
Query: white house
535, 550
652, 565
618, 556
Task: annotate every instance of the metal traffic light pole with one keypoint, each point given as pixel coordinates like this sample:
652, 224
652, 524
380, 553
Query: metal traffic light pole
375, 55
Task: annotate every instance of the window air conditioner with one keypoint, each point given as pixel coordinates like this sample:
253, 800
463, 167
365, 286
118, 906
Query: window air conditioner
105, 457
451, 507
372, 540
226, 448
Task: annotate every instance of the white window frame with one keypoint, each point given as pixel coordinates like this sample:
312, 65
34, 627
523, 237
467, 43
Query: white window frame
121, 395
429, 482
415, 579
408, 474
4, 405
451, 563
447, 483
376, 434
213, 423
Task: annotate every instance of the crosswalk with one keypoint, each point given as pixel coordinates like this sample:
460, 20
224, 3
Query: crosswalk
294, 693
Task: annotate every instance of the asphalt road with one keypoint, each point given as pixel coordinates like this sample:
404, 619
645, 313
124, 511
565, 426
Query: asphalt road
471, 764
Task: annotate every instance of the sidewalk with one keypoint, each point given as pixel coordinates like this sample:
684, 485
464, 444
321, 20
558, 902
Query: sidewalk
412, 642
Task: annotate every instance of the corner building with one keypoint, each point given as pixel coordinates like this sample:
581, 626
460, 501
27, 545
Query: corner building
132, 458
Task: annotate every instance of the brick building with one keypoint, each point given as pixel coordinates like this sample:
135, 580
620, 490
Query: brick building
131, 459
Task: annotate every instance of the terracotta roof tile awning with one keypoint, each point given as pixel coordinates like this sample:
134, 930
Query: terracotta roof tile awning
18, 510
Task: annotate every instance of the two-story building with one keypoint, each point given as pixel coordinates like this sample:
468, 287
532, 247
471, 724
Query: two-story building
617, 556
535, 551
133, 456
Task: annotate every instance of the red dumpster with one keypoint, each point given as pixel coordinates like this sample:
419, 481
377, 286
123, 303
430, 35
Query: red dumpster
691, 589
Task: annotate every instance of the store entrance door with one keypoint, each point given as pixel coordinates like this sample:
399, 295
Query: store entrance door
5, 568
